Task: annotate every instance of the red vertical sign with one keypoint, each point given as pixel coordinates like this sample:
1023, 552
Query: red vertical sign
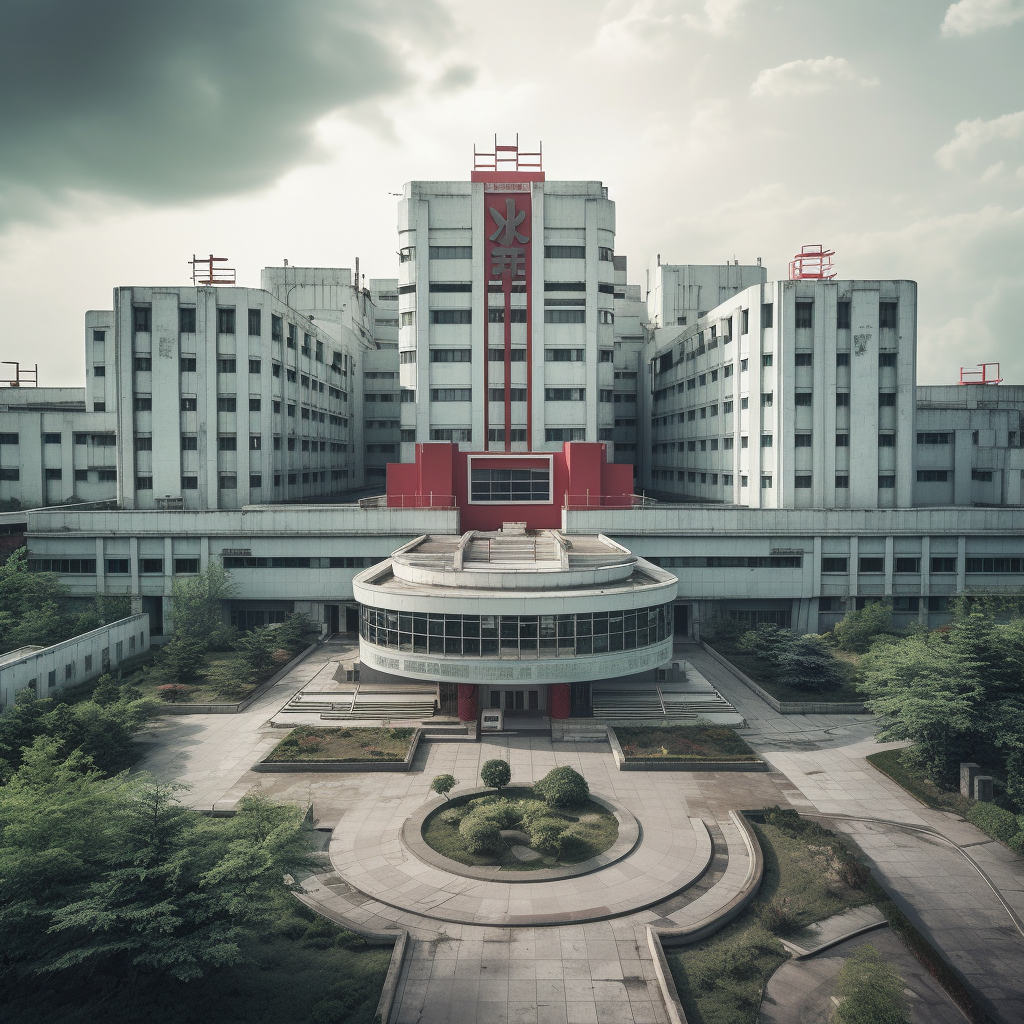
507, 265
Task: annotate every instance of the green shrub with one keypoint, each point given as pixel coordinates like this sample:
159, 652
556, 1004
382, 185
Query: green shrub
496, 773
504, 813
997, 822
777, 916
443, 784
531, 810
545, 833
768, 642
572, 841
453, 815
1017, 842
481, 834
859, 629
807, 664
870, 991
563, 787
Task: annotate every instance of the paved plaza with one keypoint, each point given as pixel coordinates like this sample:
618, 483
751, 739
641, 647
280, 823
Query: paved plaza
491, 951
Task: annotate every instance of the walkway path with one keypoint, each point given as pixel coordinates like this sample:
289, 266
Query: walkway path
823, 759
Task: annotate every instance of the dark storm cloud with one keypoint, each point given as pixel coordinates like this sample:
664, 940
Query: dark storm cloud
164, 100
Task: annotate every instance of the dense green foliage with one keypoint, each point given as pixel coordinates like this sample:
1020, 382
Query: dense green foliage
859, 629
805, 662
36, 611
870, 991
958, 695
496, 773
444, 784
563, 787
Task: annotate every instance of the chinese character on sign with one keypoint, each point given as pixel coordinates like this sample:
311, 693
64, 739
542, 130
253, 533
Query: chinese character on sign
512, 261
508, 225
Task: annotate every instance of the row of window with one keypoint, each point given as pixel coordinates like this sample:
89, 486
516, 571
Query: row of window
497, 434
97, 440
465, 252
497, 316
299, 562
112, 566
802, 481
516, 636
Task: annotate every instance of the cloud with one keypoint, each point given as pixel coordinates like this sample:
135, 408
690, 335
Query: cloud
806, 77
165, 102
969, 17
970, 137
637, 26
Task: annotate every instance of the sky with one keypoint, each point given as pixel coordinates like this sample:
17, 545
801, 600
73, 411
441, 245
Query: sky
134, 135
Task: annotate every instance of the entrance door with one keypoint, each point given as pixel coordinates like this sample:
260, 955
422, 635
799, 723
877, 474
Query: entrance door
333, 617
579, 701
351, 619
681, 620
516, 700
448, 699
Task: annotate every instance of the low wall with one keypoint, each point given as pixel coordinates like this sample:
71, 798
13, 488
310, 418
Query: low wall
786, 707
316, 767
657, 764
233, 709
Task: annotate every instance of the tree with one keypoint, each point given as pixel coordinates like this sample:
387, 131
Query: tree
768, 642
31, 605
184, 657
808, 664
257, 649
444, 784
293, 634
496, 773
197, 603
870, 991
859, 629
563, 787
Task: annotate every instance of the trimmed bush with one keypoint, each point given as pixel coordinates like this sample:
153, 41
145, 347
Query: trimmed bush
481, 834
572, 841
443, 784
453, 815
545, 833
502, 812
563, 787
870, 991
496, 773
998, 823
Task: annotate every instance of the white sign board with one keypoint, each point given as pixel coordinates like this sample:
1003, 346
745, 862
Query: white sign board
491, 720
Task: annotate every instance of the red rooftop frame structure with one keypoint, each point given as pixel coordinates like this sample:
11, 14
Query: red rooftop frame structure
812, 263
981, 375
204, 273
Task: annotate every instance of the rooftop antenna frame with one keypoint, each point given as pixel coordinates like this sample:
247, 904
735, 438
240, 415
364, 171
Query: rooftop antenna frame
22, 378
812, 263
205, 274
980, 376
508, 158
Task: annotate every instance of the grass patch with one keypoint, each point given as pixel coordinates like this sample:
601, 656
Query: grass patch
596, 826
808, 875
683, 743
305, 970
917, 783
767, 676
317, 743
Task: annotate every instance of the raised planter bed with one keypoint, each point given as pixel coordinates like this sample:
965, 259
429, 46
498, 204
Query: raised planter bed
316, 767
680, 764
787, 707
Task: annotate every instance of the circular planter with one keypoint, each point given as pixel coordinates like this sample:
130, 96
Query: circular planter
412, 839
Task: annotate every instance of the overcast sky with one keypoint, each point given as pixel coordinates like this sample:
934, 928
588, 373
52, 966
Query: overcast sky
135, 134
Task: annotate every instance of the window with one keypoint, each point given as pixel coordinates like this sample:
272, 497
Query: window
255, 480
803, 440
802, 359
510, 485
745, 321
455, 434
189, 483
565, 355
982, 475
994, 565
255, 365
565, 316
887, 314
496, 394
943, 564
842, 359
451, 316
932, 476
186, 565
99, 335
408, 318
517, 394
143, 483
727, 370
606, 355
99, 371
189, 443
143, 403
743, 481
151, 565
804, 314
497, 355
225, 320
766, 440
842, 480
450, 355
804, 398
605, 316
743, 365
565, 394
290, 376
565, 252
99, 406
144, 443
744, 442
766, 483
767, 314
565, 434
767, 359
726, 408
255, 324
118, 566
728, 443
450, 252
451, 394
10, 474
833, 564
187, 320
225, 403
886, 482
408, 396
255, 442
406, 435
871, 564
51, 438
767, 400
255, 404
228, 482
744, 402
930, 438
843, 315
886, 399
842, 399
225, 366
187, 364
907, 565
802, 482
189, 404
497, 316
293, 336
142, 319
886, 358
8, 438
842, 440
886, 440
450, 286
81, 475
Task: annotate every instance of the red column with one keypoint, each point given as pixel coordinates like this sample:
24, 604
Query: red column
558, 700
467, 702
